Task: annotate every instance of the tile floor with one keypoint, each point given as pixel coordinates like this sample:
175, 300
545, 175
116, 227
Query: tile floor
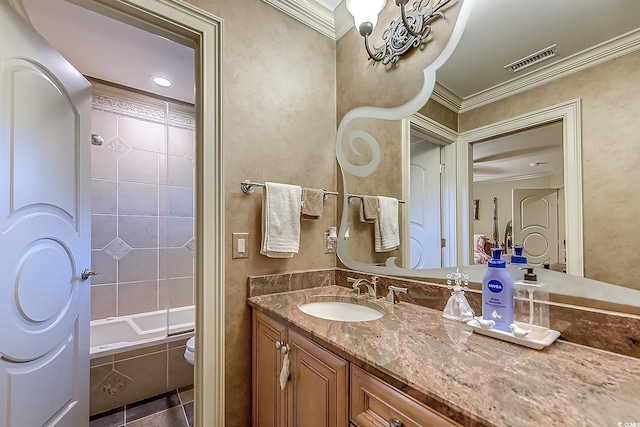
171, 409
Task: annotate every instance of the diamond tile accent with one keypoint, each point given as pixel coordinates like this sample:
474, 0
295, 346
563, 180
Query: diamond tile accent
114, 383
117, 146
191, 245
118, 248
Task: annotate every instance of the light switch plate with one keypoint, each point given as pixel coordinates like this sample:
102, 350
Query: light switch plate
240, 245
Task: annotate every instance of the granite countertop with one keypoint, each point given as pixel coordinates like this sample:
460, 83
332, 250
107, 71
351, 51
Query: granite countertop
481, 380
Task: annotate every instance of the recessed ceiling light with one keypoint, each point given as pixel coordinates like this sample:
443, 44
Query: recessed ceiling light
162, 81
534, 164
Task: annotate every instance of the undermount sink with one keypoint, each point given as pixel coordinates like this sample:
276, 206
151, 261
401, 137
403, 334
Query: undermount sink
341, 309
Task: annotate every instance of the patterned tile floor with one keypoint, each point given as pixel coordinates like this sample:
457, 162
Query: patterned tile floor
172, 409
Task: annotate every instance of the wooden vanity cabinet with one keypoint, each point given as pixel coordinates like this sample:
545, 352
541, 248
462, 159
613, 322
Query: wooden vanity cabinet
316, 394
323, 390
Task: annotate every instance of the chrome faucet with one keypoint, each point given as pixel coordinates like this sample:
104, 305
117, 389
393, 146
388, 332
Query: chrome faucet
392, 296
372, 288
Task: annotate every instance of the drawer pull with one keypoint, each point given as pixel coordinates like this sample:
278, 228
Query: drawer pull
394, 422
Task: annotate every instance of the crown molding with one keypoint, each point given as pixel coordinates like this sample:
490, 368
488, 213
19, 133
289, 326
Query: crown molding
343, 20
592, 57
333, 24
445, 97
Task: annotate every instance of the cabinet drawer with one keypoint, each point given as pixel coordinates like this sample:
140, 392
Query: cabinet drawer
374, 404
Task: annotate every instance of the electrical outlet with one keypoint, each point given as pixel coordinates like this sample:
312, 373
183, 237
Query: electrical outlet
240, 245
329, 247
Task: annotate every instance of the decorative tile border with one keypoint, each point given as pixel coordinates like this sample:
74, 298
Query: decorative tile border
140, 110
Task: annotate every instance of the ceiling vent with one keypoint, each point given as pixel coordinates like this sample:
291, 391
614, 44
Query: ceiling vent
528, 61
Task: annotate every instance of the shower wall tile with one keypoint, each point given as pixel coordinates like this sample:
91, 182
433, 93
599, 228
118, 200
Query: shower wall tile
106, 267
181, 142
138, 166
137, 199
137, 297
137, 265
103, 301
139, 231
178, 231
179, 262
103, 230
104, 124
180, 201
140, 134
162, 169
180, 292
103, 197
103, 163
181, 171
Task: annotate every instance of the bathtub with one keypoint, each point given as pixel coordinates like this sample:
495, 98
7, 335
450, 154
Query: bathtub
124, 333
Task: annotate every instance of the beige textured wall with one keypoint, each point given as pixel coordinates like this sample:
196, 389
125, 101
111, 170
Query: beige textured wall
440, 114
279, 112
610, 95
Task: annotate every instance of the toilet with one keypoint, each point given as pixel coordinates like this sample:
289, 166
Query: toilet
189, 353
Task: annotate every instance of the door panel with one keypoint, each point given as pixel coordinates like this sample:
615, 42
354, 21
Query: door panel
425, 228
45, 232
535, 224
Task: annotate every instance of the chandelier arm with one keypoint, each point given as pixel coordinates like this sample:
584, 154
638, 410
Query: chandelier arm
371, 54
406, 24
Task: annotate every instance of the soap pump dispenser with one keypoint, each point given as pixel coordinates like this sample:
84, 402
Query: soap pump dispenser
531, 300
497, 293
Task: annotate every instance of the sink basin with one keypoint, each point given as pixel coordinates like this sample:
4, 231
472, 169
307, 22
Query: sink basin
343, 310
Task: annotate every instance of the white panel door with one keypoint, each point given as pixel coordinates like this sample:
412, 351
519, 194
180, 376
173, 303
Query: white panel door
535, 224
44, 232
424, 183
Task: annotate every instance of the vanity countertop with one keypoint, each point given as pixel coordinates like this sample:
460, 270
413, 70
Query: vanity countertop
478, 379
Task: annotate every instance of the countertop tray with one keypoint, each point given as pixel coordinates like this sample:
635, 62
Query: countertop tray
538, 339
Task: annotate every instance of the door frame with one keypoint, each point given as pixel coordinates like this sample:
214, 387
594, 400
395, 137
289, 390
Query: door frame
196, 28
447, 137
569, 113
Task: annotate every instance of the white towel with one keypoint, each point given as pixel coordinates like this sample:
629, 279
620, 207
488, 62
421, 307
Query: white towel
387, 235
281, 204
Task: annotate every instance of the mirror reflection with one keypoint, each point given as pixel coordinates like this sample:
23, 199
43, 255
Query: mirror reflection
559, 178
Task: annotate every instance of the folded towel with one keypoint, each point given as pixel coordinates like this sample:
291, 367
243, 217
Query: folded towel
387, 235
280, 220
369, 208
312, 202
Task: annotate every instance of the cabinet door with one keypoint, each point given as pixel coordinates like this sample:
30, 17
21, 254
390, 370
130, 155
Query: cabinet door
269, 402
318, 395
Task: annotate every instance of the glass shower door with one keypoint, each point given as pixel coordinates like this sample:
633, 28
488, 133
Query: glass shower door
178, 204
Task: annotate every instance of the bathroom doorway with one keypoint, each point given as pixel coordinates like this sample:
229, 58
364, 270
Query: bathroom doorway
195, 32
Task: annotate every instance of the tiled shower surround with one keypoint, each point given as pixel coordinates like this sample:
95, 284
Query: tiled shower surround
142, 205
142, 236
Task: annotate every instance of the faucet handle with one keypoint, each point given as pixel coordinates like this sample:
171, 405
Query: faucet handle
392, 296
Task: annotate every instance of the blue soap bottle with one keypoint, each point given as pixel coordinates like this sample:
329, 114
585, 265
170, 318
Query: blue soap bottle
517, 257
497, 293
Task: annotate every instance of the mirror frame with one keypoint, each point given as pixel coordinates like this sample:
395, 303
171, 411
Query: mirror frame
570, 114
